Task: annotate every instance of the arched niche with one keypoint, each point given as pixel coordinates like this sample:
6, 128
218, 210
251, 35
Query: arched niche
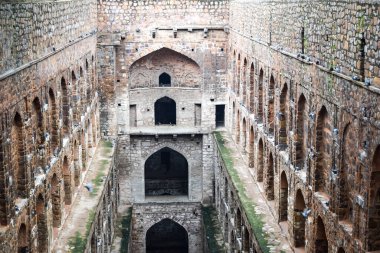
167, 236
165, 111
166, 173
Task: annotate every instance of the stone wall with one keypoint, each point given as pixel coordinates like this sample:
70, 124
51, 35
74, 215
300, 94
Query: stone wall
49, 117
186, 215
35, 29
298, 111
133, 33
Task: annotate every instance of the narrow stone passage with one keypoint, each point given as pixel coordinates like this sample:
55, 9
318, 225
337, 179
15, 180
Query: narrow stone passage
275, 235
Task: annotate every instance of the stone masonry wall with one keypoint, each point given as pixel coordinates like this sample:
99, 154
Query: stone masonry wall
304, 91
137, 29
49, 117
186, 215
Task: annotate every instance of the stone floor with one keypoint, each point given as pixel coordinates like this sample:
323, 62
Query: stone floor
277, 235
85, 201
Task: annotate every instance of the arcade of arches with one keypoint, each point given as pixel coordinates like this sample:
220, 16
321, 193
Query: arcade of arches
189, 126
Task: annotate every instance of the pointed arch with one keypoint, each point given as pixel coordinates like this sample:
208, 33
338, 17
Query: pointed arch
67, 180
238, 68
251, 147
301, 127
284, 116
166, 173
165, 111
42, 231
321, 243
65, 106
269, 184
299, 221
55, 192
165, 80
347, 175
238, 127
283, 197
77, 168
244, 82
23, 239
19, 166
244, 134
260, 162
323, 140
260, 105
37, 121
271, 121
53, 122
252, 88
174, 239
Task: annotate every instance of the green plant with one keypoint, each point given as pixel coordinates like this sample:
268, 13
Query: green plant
247, 203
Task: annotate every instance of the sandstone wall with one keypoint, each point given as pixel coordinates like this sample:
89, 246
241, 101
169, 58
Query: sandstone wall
302, 119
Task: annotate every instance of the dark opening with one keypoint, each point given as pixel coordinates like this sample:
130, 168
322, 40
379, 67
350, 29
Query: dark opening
165, 80
303, 40
362, 57
167, 236
219, 115
165, 111
166, 173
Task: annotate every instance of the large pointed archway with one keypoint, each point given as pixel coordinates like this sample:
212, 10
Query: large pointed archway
166, 173
167, 236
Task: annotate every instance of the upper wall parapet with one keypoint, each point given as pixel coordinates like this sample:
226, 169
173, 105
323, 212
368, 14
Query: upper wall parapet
339, 35
31, 30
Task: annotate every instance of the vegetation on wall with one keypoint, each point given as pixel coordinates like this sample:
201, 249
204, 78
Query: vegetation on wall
212, 229
247, 203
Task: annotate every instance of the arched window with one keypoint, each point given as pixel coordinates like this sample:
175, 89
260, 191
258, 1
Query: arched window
53, 122
269, 186
67, 180
271, 106
300, 139
166, 173
321, 243
22, 239
165, 80
167, 236
260, 162
260, 111
42, 225
18, 162
284, 115
251, 147
165, 111
284, 197
252, 88
65, 107
299, 220
323, 139
55, 191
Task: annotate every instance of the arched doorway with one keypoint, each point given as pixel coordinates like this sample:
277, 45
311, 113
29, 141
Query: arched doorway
260, 111
67, 180
299, 221
165, 111
260, 162
42, 225
56, 200
284, 105
269, 184
165, 80
22, 239
284, 197
167, 236
321, 243
300, 138
166, 173
271, 121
